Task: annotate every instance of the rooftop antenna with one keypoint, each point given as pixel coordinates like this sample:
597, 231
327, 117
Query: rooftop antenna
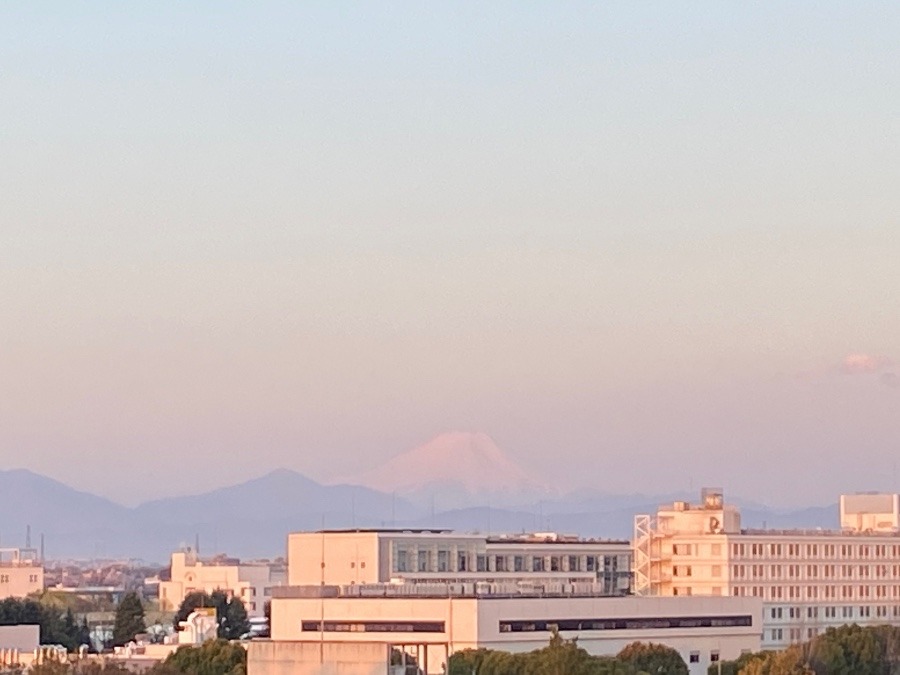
393, 509
28, 536
197, 544
42, 547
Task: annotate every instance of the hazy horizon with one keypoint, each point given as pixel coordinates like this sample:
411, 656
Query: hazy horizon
642, 247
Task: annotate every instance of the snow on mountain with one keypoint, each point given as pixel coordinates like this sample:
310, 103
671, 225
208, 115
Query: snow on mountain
452, 468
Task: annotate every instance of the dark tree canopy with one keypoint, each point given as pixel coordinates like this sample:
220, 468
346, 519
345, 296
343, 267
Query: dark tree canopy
231, 614
847, 650
55, 628
129, 619
215, 657
560, 657
651, 657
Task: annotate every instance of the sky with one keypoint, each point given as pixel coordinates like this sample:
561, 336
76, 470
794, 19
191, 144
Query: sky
644, 246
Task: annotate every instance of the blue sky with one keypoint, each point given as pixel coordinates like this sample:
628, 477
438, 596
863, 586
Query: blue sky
634, 242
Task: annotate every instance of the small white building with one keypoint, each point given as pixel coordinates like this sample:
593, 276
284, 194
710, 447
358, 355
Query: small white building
21, 573
252, 582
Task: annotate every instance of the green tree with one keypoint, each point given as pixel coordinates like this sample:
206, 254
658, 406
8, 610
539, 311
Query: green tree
54, 629
849, 650
565, 657
650, 657
129, 619
466, 661
214, 657
231, 614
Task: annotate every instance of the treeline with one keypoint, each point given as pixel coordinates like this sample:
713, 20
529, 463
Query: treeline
848, 650
56, 628
565, 657
215, 657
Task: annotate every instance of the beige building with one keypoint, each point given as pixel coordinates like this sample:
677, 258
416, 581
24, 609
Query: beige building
432, 621
252, 582
356, 595
21, 573
348, 557
808, 580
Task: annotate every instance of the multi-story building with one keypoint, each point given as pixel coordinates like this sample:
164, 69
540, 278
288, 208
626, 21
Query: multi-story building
347, 557
21, 573
252, 582
808, 580
356, 597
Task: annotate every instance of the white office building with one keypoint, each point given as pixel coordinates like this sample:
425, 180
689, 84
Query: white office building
807, 580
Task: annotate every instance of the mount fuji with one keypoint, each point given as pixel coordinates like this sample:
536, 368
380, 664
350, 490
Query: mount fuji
454, 470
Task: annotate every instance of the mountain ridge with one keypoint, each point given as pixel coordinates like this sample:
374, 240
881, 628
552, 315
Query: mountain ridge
253, 518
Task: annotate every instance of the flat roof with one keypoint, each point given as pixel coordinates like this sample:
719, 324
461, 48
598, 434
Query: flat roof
378, 530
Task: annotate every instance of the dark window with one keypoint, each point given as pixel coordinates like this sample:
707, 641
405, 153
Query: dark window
649, 623
374, 626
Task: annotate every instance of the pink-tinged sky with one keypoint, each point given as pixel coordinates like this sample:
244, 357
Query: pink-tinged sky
644, 248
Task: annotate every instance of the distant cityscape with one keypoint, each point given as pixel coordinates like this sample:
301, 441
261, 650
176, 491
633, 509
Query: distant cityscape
692, 577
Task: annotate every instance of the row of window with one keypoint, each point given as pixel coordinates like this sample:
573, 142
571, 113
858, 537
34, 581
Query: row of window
834, 592
648, 623
844, 612
442, 561
812, 571
833, 551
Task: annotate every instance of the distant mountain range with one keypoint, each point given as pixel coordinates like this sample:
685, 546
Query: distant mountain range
455, 469
251, 520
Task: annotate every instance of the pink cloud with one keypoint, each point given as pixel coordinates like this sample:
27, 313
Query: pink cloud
854, 364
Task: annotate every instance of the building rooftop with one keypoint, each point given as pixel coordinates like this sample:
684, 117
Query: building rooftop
446, 590
382, 530
550, 538
820, 533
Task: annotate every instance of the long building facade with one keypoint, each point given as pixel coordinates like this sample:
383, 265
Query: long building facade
808, 580
347, 557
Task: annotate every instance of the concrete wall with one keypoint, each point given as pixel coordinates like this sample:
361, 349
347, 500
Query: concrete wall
24, 637
311, 658
727, 642
349, 557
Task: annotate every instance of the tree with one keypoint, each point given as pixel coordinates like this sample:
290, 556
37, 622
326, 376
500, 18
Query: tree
214, 657
129, 619
54, 629
850, 650
653, 658
230, 612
